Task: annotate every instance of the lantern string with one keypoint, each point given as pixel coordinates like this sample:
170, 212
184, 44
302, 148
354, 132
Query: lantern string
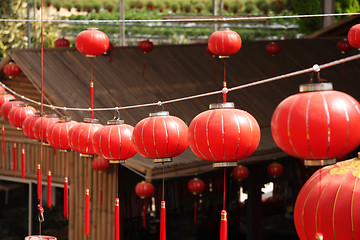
267, 80
91, 88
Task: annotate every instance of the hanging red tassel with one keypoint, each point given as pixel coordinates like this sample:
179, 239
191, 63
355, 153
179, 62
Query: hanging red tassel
87, 213
223, 225
144, 216
39, 186
195, 218
144, 68
49, 190
163, 221
15, 158
3, 141
66, 198
117, 219
23, 163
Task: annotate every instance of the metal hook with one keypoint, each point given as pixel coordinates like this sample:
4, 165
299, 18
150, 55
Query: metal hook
117, 114
159, 104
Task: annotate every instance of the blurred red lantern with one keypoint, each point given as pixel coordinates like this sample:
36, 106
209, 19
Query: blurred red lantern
354, 36
224, 43
318, 124
113, 141
196, 186
100, 164
146, 46
273, 48
81, 136
144, 189
42, 124
19, 113
92, 42
6, 107
2, 90
5, 97
57, 133
328, 203
28, 125
62, 42
275, 169
160, 136
12, 70
240, 172
343, 46
223, 134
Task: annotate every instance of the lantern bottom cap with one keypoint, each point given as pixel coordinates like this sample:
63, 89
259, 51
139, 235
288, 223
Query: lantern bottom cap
19, 128
162, 160
319, 162
116, 161
65, 150
224, 164
40, 237
87, 155
46, 144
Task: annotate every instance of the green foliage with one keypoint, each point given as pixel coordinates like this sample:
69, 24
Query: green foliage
346, 6
308, 25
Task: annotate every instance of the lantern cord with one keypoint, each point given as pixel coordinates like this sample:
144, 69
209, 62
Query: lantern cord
224, 188
224, 91
91, 88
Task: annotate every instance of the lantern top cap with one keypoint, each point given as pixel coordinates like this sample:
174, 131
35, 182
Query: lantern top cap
92, 29
64, 119
42, 237
222, 105
51, 115
91, 120
5, 93
23, 105
115, 122
311, 87
162, 113
37, 114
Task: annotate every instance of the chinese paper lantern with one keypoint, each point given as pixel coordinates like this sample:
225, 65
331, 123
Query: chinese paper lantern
327, 204
62, 42
42, 124
146, 46
343, 46
144, 189
12, 70
195, 186
6, 107
5, 97
240, 172
223, 134
114, 141
275, 169
18, 114
81, 136
28, 125
100, 164
160, 136
354, 36
224, 43
57, 133
318, 124
273, 48
92, 42
2, 90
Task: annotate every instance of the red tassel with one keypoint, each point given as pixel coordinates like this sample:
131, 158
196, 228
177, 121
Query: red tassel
163, 221
144, 68
92, 98
39, 186
3, 141
66, 198
23, 163
15, 158
49, 190
223, 225
87, 213
144, 216
195, 212
117, 219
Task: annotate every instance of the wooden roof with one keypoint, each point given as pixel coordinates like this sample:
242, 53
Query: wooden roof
179, 71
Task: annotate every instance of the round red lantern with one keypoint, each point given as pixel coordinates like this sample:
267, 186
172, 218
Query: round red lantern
144, 189
354, 36
100, 164
2, 90
5, 97
42, 124
18, 114
343, 46
12, 70
196, 186
240, 172
92, 42
145, 46
275, 169
223, 134
62, 42
81, 136
273, 48
28, 125
328, 203
160, 136
6, 107
318, 124
224, 43
57, 133
114, 141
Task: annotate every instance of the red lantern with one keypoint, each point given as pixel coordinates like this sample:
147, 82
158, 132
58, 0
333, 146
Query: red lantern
81, 136
92, 42
62, 42
273, 48
275, 169
28, 125
145, 46
12, 70
196, 186
100, 164
144, 189
318, 124
224, 43
113, 141
18, 114
354, 36
343, 46
5, 97
240, 172
223, 134
160, 137
57, 133
42, 124
2, 90
6, 107
328, 203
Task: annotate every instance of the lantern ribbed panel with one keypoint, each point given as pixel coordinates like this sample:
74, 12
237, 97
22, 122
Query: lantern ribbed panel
81, 137
57, 134
28, 125
12, 70
354, 36
224, 43
7, 106
4, 98
17, 115
41, 125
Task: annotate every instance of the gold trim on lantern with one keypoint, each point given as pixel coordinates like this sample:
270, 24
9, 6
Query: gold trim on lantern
162, 160
46, 144
221, 105
87, 155
223, 216
66, 179
311, 87
117, 202
49, 173
87, 191
163, 204
224, 164
162, 113
116, 161
65, 150
319, 162
19, 128
38, 166
224, 56
115, 122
